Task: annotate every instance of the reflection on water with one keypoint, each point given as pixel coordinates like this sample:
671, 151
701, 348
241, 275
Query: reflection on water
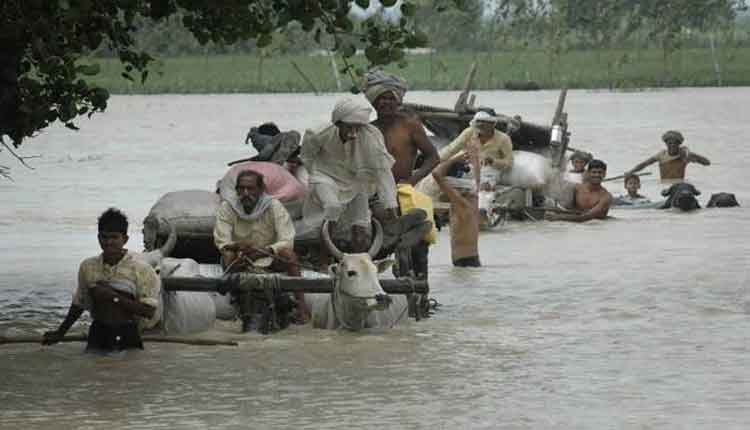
636, 322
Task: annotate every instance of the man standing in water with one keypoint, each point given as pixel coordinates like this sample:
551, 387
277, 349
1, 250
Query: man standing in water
464, 212
253, 229
592, 201
405, 138
672, 161
120, 292
404, 134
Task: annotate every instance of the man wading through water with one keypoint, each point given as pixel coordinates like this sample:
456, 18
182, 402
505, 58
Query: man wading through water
592, 201
120, 292
672, 161
405, 139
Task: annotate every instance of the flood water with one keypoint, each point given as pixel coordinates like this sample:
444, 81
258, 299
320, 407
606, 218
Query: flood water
638, 322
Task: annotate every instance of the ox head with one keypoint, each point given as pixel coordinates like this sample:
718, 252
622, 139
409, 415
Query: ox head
681, 196
356, 288
154, 257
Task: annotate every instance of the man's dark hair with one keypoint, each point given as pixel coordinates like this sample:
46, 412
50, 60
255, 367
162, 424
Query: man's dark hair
258, 177
112, 220
597, 164
632, 176
269, 129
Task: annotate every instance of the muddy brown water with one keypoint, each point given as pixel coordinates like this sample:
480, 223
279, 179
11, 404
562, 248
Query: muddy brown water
641, 321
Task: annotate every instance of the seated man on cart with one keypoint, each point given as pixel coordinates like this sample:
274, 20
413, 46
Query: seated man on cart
254, 232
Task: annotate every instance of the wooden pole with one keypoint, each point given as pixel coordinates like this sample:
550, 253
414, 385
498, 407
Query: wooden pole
717, 68
304, 76
464, 96
243, 282
336, 72
614, 178
146, 338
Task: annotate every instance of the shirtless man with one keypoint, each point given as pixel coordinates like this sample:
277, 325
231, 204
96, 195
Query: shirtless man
592, 201
405, 138
672, 161
404, 135
464, 212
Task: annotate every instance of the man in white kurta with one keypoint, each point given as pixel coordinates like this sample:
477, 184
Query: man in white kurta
348, 162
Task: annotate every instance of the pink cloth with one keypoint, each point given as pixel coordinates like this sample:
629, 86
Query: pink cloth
279, 182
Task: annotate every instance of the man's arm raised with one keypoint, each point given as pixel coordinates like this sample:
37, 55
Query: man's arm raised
642, 165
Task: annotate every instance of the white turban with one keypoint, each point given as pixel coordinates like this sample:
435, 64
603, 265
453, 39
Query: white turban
484, 117
351, 111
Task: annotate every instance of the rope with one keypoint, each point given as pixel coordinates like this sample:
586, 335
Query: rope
287, 261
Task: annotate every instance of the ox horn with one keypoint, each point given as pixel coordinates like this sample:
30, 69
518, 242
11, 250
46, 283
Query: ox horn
337, 254
169, 245
377, 241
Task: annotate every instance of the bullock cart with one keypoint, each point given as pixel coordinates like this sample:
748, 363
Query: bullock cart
539, 150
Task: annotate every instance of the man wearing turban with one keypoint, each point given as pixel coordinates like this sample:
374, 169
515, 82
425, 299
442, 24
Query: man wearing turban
405, 139
347, 160
672, 161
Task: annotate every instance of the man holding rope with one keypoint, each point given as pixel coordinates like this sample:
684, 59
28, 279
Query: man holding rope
254, 232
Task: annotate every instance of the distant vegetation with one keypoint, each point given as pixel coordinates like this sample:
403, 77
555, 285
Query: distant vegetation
59, 60
574, 43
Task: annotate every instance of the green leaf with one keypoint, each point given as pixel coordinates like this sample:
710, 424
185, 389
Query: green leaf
364, 4
388, 3
348, 50
408, 9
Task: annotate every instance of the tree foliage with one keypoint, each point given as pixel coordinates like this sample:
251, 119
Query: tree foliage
43, 77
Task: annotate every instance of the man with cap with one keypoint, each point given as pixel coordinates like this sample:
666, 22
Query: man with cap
578, 161
494, 147
673, 160
347, 159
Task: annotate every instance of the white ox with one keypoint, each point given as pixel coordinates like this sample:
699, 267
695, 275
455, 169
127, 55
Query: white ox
184, 312
358, 300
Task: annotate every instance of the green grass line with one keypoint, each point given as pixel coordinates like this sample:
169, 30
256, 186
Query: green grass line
616, 68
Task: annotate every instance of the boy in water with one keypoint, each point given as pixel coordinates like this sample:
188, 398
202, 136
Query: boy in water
632, 185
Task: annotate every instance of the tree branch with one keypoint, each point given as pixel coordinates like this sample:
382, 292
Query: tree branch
21, 159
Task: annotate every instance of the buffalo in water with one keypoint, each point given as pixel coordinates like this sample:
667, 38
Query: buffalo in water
681, 196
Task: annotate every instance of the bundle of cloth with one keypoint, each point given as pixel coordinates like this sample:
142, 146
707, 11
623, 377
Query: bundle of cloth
279, 184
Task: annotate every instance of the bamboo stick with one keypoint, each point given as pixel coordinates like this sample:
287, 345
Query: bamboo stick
146, 338
614, 178
286, 284
304, 76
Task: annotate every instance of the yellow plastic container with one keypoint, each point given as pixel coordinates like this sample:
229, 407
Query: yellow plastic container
409, 199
